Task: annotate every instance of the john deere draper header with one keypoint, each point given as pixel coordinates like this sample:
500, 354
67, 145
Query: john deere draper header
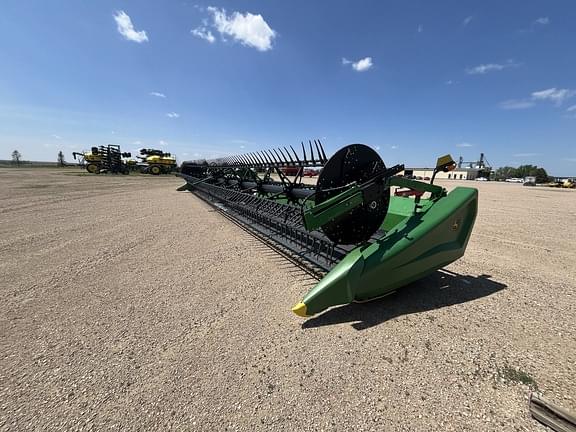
348, 229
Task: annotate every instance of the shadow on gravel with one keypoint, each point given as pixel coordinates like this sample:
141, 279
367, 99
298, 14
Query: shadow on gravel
441, 289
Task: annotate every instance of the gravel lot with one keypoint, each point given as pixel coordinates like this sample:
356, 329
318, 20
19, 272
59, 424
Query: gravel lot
129, 306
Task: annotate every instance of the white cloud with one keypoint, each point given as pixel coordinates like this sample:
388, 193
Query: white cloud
158, 94
514, 104
420, 28
542, 21
126, 28
491, 67
162, 143
137, 142
172, 115
377, 148
558, 96
363, 64
394, 147
345, 61
450, 82
249, 29
467, 20
203, 33
58, 137
464, 144
554, 95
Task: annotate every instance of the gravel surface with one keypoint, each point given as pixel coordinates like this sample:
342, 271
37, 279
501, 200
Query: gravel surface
129, 306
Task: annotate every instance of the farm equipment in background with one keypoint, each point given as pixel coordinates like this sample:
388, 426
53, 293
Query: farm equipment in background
103, 159
563, 183
361, 242
156, 162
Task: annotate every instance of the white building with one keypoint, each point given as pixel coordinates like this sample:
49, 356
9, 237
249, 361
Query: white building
457, 174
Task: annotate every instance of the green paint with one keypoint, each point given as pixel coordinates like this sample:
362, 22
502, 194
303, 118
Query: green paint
321, 214
417, 242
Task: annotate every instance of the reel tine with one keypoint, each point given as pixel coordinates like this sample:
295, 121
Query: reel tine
289, 156
268, 160
250, 158
254, 159
264, 157
318, 150
244, 160
303, 151
323, 153
258, 158
279, 158
272, 157
311, 152
295, 155
283, 156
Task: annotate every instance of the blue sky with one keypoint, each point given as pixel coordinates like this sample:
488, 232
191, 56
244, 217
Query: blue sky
413, 79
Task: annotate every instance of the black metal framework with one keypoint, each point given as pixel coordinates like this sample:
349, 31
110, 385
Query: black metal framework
276, 223
274, 158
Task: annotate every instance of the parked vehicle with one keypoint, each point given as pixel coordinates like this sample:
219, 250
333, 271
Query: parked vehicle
529, 181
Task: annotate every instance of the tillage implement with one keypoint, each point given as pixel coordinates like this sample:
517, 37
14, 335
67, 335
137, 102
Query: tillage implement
349, 230
104, 159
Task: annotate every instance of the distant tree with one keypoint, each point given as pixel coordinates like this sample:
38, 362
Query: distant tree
541, 176
504, 172
526, 170
61, 161
522, 171
16, 157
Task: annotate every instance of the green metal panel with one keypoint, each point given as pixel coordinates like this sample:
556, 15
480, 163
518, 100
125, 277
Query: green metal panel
319, 215
418, 244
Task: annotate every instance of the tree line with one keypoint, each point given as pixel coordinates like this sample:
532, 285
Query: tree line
522, 171
17, 158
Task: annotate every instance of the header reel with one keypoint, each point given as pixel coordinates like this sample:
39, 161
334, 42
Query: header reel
348, 204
